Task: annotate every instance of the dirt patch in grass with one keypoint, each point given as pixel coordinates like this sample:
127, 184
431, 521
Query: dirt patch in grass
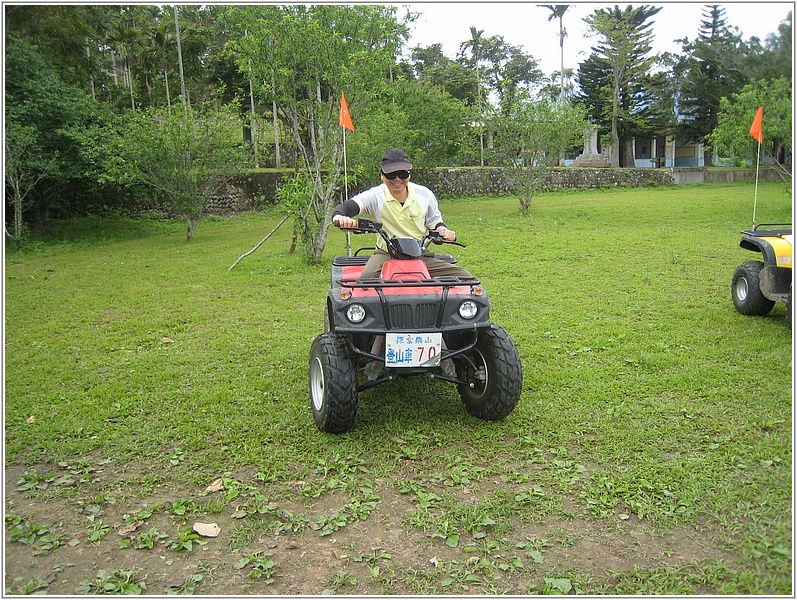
273, 540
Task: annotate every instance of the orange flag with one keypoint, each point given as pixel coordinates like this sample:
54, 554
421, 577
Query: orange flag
345, 115
757, 130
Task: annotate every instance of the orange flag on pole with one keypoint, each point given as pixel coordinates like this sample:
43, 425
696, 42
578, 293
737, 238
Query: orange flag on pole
345, 115
756, 130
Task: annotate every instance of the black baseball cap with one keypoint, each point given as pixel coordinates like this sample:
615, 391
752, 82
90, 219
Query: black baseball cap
395, 159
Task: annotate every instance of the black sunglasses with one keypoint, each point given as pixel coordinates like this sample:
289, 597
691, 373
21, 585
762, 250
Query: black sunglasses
394, 174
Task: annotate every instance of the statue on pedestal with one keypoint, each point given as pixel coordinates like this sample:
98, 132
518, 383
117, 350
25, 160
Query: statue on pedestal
590, 157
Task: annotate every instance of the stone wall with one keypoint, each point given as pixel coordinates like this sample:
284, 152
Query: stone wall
491, 182
260, 189
250, 192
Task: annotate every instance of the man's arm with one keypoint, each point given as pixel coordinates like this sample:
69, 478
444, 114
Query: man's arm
346, 210
433, 214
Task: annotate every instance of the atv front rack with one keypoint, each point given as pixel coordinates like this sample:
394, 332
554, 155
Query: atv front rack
445, 281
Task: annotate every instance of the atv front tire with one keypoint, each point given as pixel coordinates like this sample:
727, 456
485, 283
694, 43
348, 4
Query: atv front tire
746, 291
494, 375
333, 384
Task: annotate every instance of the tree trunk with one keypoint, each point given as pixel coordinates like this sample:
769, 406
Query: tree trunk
615, 163
183, 93
628, 155
16, 201
130, 85
168, 96
191, 222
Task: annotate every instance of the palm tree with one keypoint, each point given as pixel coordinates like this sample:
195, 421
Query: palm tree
161, 39
476, 44
123, 38
557, 12
183, 96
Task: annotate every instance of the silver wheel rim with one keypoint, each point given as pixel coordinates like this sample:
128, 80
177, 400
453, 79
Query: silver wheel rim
317, 383
486, 381
741, 289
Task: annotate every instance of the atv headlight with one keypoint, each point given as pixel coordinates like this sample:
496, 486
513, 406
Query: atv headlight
355, 313
468, 309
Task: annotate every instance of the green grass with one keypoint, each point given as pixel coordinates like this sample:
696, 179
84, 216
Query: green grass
648, 401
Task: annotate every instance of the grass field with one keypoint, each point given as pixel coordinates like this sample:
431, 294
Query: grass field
650, 452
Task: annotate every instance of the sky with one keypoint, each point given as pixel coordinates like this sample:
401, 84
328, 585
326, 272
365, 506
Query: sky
525, 24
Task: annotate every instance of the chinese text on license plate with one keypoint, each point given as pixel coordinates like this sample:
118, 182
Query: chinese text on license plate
413, 349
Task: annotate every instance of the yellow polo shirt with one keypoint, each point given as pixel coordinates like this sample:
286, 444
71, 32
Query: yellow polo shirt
414, 218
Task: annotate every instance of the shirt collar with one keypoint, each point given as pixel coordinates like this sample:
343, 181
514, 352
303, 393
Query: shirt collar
389, 196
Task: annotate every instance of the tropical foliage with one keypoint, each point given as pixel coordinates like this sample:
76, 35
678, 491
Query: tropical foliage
74, 72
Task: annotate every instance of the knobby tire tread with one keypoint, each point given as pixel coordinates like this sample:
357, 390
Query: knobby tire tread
756, 304
506, 378
340, 377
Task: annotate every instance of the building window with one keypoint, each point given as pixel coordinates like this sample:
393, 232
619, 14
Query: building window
642, 149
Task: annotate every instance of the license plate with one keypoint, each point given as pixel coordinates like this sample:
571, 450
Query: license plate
413, 349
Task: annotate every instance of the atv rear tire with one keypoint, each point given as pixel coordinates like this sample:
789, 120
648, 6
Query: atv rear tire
746, 291
494, 375
333, 384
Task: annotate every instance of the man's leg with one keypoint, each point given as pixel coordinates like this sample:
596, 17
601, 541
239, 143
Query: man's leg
441, 268
373, 268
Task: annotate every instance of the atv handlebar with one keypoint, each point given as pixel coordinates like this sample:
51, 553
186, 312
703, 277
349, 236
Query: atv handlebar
370, 226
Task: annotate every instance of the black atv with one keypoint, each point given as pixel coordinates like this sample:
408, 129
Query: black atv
407, 323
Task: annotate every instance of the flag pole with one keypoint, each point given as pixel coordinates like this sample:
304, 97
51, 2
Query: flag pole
346, 190
755, 197
345, 122
757, 131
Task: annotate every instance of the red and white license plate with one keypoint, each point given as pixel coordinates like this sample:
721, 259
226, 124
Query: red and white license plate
413, 349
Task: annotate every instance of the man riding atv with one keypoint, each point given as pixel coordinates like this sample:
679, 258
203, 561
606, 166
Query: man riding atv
405, 312
405, 210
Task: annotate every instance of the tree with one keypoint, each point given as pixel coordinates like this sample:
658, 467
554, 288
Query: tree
186, 157
68, 35
318, 52
25, 167
476, 46
711, 67
595, 90
773, 59
558, 12
430, 66
625, 41
732, 136
510, 72
434, 128
532, 138
42, 114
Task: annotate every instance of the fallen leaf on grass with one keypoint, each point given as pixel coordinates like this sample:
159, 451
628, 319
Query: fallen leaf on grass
30, 420
216, 486
207, 529
167, 340
128, 529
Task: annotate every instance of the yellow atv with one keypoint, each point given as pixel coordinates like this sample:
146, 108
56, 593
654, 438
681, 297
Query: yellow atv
757, 285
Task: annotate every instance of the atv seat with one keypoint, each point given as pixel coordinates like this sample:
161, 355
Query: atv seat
349, 261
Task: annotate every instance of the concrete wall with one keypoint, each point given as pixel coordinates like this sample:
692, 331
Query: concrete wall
687, 175
260, 189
